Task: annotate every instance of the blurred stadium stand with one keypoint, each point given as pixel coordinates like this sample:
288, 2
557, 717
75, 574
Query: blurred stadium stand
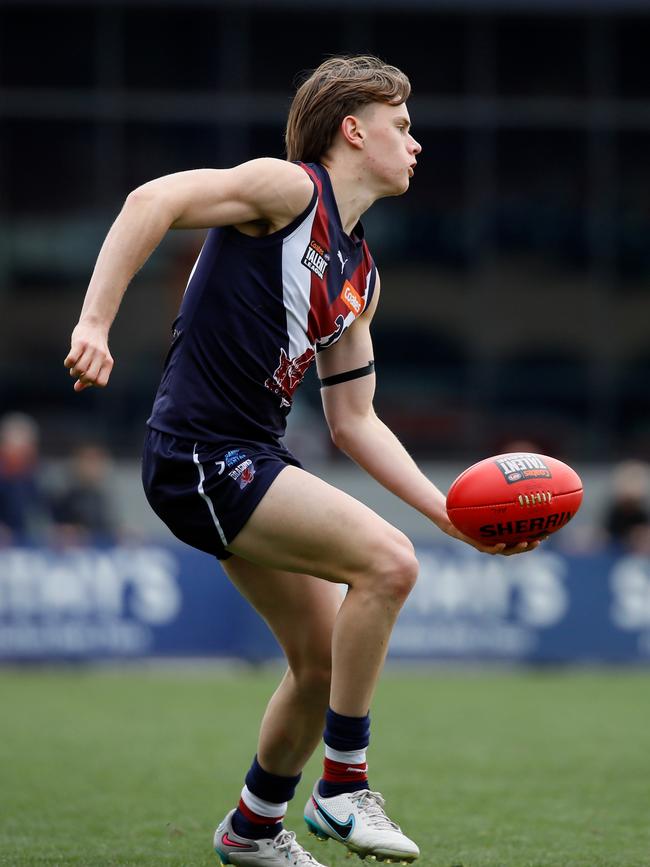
515, 271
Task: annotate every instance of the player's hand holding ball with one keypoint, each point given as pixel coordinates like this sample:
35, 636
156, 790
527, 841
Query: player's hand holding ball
499, 548
89, 360
508, 503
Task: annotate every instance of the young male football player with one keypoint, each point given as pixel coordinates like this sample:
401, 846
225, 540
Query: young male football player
285, 277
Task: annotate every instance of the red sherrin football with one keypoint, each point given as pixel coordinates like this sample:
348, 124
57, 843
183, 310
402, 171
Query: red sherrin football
514, 498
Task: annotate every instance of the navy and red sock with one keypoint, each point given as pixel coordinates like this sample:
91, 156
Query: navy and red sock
263, 803
345, 768
265, 796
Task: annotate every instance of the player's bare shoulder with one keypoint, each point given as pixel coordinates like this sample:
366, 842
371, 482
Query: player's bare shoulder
280, 190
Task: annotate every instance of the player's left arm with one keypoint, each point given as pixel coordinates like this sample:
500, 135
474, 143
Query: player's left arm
356, 429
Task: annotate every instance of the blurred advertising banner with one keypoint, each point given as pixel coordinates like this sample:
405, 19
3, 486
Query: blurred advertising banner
172, 601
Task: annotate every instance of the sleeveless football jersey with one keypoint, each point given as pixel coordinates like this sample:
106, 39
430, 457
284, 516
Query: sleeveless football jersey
255, 312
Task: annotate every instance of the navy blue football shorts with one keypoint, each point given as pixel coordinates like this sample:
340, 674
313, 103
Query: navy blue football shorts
205, 492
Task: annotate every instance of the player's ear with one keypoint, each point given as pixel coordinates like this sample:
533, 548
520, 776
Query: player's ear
352, 130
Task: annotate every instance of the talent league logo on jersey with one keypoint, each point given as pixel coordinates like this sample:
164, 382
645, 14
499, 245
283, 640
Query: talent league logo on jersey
244, 473
351, 298
289, 374
316, 258
519, 468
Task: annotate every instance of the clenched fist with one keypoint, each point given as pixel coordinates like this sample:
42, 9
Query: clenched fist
89, 360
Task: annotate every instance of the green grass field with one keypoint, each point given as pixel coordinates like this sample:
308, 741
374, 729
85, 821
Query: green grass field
482, 770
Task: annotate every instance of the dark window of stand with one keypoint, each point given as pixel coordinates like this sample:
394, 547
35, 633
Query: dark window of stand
47, 47
156, 149
171, 49
542, 195
541, 56
429, 48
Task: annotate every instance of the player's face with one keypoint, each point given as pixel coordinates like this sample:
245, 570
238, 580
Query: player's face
391, 150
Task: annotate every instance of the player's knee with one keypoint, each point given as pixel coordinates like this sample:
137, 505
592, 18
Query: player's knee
314, 677
311, 667
397, 568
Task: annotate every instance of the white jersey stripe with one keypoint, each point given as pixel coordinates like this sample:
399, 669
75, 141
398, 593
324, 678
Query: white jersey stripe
296, 285
368, 279
207, 499
189, 279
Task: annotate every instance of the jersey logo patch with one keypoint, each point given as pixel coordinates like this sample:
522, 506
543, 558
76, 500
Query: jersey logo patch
289, 374
316, 259
244, 473
351, 298
234, 456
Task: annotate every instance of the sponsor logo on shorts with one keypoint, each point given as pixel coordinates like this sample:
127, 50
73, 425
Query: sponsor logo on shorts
316, 258
520, 468
351, 298
244, 473
234, 456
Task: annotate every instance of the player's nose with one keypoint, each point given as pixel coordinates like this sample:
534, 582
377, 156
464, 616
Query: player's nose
416, 147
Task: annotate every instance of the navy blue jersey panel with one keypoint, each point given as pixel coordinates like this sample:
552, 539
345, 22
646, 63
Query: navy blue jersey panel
254, 313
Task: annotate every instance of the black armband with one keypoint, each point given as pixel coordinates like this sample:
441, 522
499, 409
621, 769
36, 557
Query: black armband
348, 375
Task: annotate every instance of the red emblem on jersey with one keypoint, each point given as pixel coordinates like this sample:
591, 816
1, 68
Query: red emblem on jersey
289, 374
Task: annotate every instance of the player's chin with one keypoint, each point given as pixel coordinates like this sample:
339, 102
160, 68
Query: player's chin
395, 186
401, 186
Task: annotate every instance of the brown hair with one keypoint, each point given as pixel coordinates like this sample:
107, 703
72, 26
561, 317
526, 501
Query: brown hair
340, 86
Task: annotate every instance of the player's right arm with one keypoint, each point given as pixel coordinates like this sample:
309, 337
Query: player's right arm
266, 194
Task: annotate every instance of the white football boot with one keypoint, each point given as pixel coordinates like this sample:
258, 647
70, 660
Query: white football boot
358, 820
280, 851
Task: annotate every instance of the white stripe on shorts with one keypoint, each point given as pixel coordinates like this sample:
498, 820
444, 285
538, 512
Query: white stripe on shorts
207, 499
262, 808
346, 757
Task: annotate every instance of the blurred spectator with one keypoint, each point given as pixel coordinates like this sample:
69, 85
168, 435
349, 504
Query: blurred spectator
23, 509
82, 510
627, 519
